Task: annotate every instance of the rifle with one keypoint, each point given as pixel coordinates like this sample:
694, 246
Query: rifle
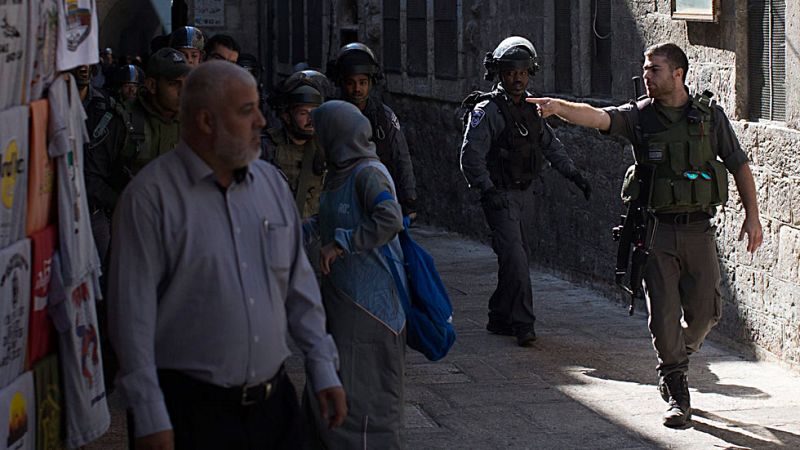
637, 229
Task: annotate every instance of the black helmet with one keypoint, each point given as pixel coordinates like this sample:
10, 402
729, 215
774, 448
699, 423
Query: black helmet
250, 63
355, 58
187, 37
129, 74
513, 53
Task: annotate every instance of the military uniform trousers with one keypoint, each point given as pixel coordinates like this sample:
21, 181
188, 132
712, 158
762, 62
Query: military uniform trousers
682, 280
512, 301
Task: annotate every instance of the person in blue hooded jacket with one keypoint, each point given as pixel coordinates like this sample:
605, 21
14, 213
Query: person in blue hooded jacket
358, 216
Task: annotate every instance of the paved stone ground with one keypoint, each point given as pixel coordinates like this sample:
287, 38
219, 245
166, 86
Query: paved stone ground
589, 382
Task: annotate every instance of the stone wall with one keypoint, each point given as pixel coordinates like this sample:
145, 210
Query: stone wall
570, 236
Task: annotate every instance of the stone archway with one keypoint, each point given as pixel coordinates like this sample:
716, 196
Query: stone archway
127, 26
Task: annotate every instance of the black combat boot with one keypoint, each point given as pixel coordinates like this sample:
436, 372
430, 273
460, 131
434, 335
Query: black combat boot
498, 327
662, 389
679, 412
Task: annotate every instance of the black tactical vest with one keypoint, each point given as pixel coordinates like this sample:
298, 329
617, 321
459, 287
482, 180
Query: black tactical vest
515, 158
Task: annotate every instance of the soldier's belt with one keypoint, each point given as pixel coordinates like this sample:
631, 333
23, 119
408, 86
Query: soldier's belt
682, 218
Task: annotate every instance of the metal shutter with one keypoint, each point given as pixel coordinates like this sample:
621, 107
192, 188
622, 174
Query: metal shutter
445, 39
315, 33
563, 46
282, 20
417, 37
767, 59
391, 36
601, 60
298, 31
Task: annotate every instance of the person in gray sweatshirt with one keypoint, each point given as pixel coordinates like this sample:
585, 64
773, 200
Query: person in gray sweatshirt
359, 218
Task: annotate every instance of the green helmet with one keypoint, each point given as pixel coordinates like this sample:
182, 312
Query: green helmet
187, 37
298, 89
513, 53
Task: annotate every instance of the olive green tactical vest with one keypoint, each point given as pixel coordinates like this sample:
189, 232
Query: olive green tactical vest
686, 175
302, 165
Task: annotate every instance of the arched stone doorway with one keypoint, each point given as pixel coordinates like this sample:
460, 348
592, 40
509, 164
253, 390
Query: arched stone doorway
127, 26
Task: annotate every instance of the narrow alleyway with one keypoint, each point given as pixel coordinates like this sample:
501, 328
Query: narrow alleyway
589, 382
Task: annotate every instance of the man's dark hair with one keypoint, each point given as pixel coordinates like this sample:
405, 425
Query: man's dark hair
223, 40
672, 53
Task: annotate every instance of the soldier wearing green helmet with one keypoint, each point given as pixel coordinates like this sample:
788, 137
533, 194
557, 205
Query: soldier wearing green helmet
292, 146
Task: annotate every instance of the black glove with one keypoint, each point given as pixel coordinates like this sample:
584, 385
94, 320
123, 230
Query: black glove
409, 206
582, 184
494, 199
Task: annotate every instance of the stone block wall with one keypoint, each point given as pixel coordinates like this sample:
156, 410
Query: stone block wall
761, 292
568, 235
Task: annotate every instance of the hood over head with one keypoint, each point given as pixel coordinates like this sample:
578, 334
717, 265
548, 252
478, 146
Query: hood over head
344, 134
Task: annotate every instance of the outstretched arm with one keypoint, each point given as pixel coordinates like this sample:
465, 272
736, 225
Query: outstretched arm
747, 191
578, 113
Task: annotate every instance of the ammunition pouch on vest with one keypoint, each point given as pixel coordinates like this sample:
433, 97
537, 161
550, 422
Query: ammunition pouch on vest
515, 158
676, 164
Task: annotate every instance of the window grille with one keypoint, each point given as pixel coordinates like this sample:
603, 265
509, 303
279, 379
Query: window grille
391, 36
767, 59
563, 46
315, 33
282, 22
417, 37
601, 61
298, 31
445, 29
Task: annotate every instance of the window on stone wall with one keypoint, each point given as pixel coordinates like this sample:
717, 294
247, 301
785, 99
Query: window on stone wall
281, 13
563, 46
767, 59
601, 47
298, 32
391, 36
445, 39
315, 33
417, 37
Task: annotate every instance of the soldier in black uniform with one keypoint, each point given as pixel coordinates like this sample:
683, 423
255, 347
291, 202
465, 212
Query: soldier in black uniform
505, 144
105, 124
356, 71
684, 147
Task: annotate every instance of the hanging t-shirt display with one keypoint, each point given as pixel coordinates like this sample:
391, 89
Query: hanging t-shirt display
75, 317
14, 173
42, 39
13, 52
49, 404
66, 136
15, 292
77, 34
18, 414
41, 172
40, 329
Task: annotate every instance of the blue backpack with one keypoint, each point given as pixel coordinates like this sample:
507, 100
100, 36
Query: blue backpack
429, 313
